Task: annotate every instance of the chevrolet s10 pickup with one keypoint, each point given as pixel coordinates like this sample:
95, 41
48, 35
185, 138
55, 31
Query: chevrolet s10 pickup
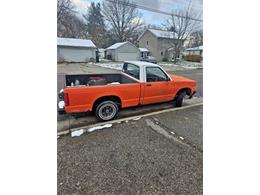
139, 83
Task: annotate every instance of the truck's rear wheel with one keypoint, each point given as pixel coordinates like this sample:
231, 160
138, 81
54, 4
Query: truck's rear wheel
179, 99
106, 110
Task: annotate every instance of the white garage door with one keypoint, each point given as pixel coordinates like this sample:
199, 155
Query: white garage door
76, 55
127, 56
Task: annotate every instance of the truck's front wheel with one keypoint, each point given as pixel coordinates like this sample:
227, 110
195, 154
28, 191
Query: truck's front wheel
179, 99
106, 110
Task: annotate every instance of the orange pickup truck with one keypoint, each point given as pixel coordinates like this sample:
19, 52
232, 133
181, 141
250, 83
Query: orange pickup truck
139, 83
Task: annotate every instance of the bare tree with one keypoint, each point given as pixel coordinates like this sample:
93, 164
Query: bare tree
182, 26
125, 20
68, 24
196, 39
64, 7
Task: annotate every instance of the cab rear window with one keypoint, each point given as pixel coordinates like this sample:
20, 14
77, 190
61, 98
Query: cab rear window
132, 70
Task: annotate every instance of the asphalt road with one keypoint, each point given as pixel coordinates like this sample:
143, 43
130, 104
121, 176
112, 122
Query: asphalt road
160, 154
187, 123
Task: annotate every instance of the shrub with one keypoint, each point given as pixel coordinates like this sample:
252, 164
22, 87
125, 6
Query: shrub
193, 58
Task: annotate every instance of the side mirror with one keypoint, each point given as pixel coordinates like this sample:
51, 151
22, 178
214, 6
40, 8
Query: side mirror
168, 79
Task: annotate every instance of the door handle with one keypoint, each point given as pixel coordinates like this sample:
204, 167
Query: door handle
148, 85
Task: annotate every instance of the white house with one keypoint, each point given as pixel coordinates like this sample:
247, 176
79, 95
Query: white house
75, 50
159, 43
122, 51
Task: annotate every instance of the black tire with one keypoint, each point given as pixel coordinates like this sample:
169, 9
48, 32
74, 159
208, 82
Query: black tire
62, 112
106, 110
179, 99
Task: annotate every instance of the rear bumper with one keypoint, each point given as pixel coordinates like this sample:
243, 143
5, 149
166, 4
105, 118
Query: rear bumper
61, 103
61, 107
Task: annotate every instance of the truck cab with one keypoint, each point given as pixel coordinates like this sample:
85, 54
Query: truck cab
158, 85
145, 71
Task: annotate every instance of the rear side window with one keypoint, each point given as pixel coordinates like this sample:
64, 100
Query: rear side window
155, 74
131, 70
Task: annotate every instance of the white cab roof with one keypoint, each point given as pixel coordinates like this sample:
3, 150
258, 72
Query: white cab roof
142, 63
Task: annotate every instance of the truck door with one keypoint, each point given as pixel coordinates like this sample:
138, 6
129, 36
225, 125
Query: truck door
158, 87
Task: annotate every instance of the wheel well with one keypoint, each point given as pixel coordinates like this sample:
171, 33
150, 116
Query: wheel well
187, 90
105, 98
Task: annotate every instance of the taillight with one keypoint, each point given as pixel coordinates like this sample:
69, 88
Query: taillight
66, 98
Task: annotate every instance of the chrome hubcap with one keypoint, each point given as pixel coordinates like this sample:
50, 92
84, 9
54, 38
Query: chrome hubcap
107, 111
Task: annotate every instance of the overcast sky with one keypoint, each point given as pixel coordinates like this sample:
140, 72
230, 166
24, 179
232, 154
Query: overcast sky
149, 17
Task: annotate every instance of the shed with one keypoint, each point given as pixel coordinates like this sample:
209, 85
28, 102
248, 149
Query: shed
75, 50
194, 51
122, 51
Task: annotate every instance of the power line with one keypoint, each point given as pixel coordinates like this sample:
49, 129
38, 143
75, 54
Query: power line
155, 10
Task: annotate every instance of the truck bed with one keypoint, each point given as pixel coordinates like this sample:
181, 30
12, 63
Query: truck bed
83, 94
86, 79
81, 99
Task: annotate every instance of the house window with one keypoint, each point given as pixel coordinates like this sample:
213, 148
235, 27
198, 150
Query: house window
146, 42
161, 53
200, 52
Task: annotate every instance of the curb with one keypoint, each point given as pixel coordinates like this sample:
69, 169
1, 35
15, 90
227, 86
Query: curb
128, 118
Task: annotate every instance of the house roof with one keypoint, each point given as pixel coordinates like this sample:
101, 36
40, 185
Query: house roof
117, 45
75, 42
163, 33
143, 49
195, 48
160, 33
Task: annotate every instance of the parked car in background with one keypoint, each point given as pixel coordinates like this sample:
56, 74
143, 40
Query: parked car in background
145, 55
150, 59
